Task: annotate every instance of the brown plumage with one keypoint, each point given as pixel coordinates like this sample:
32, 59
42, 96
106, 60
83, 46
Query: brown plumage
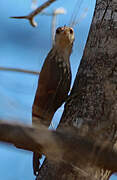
54, 82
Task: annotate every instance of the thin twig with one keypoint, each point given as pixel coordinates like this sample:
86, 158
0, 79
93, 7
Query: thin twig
82, 16
19, 70
31, 16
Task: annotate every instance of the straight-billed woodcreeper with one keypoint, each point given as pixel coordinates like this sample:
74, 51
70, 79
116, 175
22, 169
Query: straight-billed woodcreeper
54, 82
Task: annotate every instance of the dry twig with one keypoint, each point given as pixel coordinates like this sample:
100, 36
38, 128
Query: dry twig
19, 70
31, 16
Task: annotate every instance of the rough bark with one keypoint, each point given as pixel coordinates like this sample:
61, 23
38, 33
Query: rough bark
92, 106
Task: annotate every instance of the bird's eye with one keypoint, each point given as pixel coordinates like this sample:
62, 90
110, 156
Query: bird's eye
58, 30
71, 31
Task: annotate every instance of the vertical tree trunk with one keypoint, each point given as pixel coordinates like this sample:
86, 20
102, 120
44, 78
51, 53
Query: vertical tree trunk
92, 106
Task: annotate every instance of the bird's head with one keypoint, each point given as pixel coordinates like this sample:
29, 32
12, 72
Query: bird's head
64, 37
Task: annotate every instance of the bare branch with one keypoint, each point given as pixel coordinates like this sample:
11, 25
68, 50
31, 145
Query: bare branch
63, 145
19, 70
31, 16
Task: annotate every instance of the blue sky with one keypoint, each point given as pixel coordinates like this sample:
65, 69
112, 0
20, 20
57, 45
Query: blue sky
22, 46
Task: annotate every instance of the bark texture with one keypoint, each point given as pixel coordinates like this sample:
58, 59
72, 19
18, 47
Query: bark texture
92, 106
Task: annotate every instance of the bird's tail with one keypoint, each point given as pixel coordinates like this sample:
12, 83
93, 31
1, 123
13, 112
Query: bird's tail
39, 117
36, 162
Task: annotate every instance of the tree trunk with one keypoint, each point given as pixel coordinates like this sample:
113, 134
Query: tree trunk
92, 106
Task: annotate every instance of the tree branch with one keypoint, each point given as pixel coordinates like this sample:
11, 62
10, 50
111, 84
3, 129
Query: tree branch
31, 16
19, 70
63, 145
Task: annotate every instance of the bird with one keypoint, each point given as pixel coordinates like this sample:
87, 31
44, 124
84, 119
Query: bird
53, 83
